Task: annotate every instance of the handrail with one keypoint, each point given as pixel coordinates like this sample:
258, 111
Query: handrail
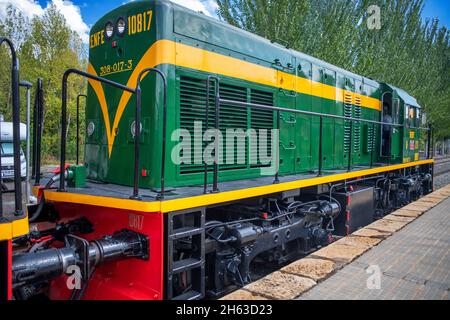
216, 125
78, 125
137, 134
28, 85
38, 120
16, 131
64, 114
220, 101
317, 114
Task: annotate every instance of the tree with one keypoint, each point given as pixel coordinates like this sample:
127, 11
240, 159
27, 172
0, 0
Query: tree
47, 47
407, 51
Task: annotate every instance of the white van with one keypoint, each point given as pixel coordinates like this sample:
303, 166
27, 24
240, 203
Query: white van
7, 150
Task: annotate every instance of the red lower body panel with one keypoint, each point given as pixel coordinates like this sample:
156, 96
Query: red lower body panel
131, 279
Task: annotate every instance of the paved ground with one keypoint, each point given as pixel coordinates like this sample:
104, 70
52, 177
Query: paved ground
415, 264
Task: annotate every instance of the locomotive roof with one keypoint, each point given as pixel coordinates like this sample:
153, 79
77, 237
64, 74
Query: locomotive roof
407, 98
252, 38
222, 34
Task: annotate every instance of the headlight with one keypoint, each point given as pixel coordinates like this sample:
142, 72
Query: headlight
109, 30
121, 26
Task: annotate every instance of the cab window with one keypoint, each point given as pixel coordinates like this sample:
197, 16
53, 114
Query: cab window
407, 115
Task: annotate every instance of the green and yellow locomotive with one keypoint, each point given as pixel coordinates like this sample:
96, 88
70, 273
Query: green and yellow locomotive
192, 209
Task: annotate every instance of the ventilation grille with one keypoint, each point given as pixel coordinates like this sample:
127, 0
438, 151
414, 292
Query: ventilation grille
193, 96
347, 124
370, 142
261, 120
357, 126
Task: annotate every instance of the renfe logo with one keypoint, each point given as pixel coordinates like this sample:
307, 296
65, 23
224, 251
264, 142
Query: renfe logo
135, 221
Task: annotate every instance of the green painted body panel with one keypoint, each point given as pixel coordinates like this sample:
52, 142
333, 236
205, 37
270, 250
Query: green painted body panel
299, 134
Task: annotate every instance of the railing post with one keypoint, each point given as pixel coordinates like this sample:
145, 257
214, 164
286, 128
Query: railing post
137, 141
64, 114
62, 164
320, 146
429, 144
277, 148
78, 126
216, 142
205, 163
35, 112
138, 133
16, 129
390, 146
38, 130
28, 86
372, 145
350, 149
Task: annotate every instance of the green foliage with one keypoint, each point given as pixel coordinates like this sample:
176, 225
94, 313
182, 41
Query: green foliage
407, 52
46, 48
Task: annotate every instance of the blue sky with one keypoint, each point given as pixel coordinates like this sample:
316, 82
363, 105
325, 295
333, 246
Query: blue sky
92, 10
82, 14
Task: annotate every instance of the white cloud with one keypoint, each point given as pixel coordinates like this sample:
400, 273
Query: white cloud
73, 17
71, 12
29, 8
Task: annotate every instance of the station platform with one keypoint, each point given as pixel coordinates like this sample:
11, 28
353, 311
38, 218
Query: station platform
404, 256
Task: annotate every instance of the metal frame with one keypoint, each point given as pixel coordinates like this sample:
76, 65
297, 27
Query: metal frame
137, 136
28, 86
219, 101
66, 75
78, 125
38, 120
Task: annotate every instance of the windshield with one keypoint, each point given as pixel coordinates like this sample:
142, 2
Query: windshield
7, 149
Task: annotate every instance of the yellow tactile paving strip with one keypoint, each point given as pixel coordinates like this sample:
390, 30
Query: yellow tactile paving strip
295, 279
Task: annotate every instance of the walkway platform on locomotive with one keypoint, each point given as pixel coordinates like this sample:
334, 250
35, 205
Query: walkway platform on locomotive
116, 196
408, 250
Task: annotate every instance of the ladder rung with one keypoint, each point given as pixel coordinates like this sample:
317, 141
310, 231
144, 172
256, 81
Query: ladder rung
190, 295
186, 264
185, 232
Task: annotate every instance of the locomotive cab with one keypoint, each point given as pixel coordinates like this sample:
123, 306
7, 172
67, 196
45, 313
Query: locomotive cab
401, 140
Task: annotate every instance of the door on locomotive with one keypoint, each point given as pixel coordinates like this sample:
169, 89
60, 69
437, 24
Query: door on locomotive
391, 136
288, 121
407, 112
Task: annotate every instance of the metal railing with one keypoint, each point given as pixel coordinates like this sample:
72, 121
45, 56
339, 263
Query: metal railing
16, 132
62, 187
38, 129
137, 132
219, 101
78, 126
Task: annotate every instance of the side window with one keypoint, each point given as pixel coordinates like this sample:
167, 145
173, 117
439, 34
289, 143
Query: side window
412, 117
396, 112
418, 115
407, 115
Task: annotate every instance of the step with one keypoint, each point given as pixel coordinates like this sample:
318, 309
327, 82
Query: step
185, 233
190, 295
186, 264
